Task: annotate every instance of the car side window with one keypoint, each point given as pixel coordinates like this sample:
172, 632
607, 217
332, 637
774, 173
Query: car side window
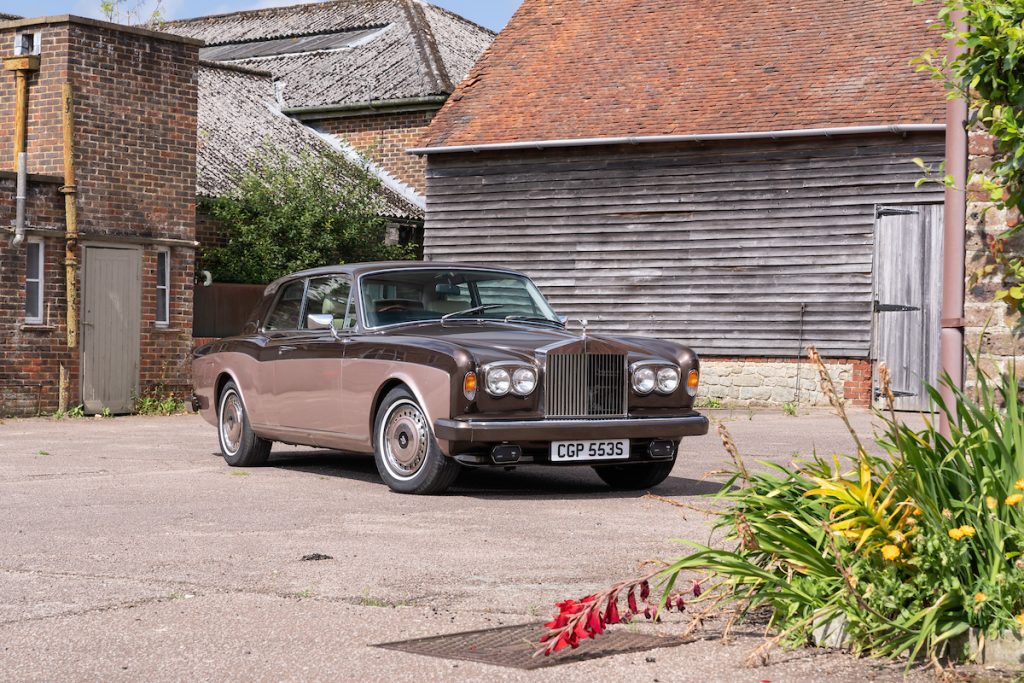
285, 315
330, 296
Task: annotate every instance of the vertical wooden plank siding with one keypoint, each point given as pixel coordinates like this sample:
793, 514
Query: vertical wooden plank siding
908, 291
754, 249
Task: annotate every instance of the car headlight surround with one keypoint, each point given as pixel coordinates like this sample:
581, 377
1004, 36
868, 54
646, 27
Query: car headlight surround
502, 379
524, 381
498, 381
643, 379
668, 380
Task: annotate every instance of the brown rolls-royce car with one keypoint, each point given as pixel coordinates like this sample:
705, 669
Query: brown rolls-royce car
433, 367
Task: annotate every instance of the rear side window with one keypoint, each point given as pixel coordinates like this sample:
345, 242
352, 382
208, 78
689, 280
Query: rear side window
330, 296
287, 309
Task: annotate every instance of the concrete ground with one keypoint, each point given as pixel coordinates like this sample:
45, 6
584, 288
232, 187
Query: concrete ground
129, 551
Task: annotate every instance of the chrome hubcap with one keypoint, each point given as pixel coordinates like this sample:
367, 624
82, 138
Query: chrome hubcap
231, 423
405, 440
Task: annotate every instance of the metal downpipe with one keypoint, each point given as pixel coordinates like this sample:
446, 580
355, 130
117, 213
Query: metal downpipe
19, 199
951, 339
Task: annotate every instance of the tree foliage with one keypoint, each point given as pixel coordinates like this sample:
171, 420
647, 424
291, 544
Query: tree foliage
990, 75
290, 213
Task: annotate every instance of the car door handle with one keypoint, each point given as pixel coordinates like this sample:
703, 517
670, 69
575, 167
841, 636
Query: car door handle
285, 349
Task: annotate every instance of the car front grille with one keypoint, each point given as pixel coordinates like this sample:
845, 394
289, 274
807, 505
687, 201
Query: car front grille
585, 385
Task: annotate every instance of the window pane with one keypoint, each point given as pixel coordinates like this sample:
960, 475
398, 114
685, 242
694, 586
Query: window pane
32, 303
285, 315
32, 266
161, 305
327, 296
161, 269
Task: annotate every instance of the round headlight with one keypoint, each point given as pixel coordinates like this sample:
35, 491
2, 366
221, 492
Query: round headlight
524, 381
498, 381
668, 380
643, 380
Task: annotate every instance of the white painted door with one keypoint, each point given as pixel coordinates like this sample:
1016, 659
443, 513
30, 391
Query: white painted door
111, 318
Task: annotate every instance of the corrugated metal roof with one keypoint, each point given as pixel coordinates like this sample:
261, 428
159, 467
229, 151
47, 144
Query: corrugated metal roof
345, 52
238, 116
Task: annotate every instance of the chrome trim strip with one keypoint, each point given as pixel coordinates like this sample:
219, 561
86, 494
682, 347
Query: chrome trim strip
552, 430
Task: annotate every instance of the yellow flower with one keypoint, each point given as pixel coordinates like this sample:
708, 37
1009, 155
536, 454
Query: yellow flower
890, 552
991, 502
980, 597
1015, 498
1020, 621
1019, 485
956, 534
967, 530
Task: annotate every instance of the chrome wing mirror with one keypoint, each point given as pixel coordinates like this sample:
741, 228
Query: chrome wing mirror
322, 322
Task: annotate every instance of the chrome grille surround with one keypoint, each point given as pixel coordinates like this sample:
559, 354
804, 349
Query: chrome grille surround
585, 385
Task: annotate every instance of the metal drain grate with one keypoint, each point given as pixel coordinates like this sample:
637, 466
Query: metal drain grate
513, 646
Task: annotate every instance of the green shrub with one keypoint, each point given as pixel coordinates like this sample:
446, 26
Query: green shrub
901, 553
288, 214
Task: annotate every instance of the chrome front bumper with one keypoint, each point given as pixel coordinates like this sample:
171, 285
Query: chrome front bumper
490, 431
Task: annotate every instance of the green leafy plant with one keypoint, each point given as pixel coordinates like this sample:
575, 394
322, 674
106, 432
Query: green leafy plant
289, 214
159, 405
888, 556
989, 74
789, 408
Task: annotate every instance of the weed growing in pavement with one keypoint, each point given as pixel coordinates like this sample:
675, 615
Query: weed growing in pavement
789, 409
42, 452
710, 402
74, 413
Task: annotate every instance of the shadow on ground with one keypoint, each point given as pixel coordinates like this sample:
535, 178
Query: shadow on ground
537, 482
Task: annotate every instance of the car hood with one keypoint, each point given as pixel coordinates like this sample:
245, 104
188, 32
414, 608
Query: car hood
490, 341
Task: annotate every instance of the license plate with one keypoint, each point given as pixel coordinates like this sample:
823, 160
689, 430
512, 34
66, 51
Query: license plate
576, 451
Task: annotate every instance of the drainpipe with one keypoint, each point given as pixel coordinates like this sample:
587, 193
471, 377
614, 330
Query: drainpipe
70, 214
22, 66
951, 340
19, 201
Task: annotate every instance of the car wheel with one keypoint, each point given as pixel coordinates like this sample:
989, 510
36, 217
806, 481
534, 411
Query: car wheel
238, 443
635, 477
405, 451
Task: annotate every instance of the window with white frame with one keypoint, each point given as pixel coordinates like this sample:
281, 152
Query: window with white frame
27, 43
163, 287
34, 281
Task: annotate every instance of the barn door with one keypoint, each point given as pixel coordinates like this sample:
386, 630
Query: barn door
111, 312
908, 290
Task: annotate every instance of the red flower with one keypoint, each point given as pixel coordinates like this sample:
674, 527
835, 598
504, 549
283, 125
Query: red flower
697, 590
612, 615
631, 599
645, 590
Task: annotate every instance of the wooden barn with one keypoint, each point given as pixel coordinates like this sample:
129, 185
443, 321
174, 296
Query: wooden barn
738, 176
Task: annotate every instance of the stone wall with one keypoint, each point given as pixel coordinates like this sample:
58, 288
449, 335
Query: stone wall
992, 328
775, 382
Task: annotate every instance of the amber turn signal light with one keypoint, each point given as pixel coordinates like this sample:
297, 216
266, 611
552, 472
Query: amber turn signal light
469, 386
692, 382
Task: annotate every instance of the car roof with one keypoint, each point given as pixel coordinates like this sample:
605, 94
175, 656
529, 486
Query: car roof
355, 270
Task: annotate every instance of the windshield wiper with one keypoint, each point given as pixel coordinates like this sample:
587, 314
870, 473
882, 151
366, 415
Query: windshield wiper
475, 309
534, 319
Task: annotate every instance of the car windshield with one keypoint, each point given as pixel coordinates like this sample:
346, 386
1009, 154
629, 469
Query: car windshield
426, 294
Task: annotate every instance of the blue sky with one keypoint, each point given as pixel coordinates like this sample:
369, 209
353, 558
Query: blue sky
491, 13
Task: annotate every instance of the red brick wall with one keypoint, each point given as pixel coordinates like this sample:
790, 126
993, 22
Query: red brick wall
45, 143
135, 139
383, 139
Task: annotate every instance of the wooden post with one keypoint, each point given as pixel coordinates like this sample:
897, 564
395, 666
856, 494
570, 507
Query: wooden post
71, 216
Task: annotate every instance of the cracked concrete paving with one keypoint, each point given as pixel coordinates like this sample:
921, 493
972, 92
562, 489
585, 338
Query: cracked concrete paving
130, 551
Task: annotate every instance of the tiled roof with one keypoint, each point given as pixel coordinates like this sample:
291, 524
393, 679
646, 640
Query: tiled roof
389, 49
572, 69
238, 116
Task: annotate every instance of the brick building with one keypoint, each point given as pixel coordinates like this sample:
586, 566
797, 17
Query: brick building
747, 188
134, 95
